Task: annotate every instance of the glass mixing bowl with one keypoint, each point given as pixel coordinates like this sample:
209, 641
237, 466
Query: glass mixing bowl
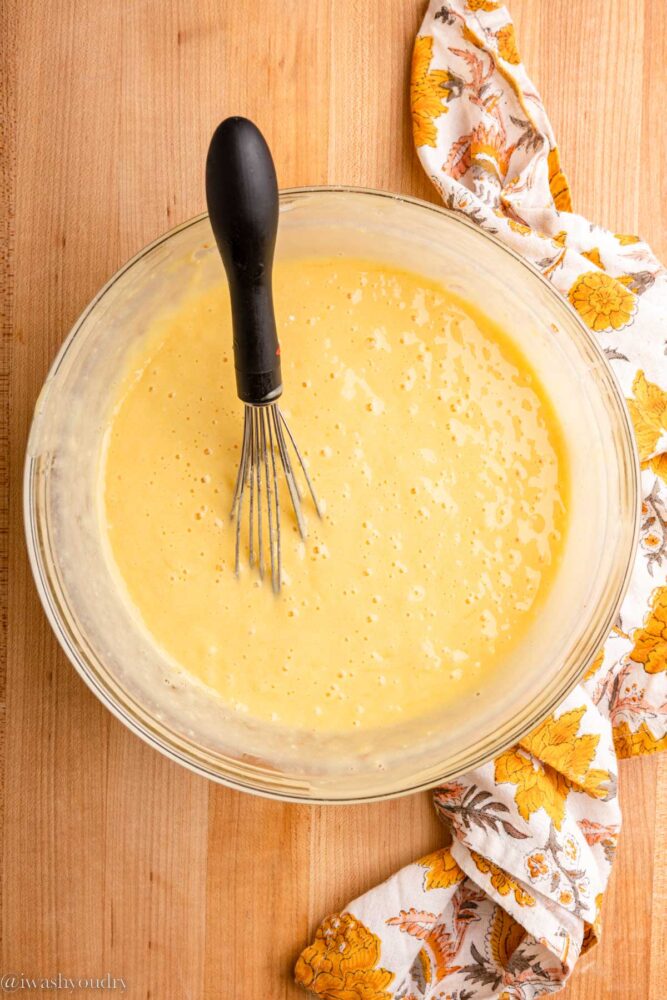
116, 657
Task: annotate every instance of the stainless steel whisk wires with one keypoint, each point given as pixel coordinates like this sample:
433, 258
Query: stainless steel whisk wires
264, 430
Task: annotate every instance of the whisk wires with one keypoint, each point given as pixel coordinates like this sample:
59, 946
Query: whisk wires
265, 435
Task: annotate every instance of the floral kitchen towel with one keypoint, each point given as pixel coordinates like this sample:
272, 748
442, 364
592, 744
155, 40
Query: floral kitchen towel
509, 907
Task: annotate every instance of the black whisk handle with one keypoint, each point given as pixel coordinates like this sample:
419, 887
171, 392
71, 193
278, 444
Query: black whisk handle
242, 198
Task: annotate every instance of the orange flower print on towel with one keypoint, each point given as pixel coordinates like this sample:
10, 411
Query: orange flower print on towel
560, 761
538, 787
428, 91
598, 833
650, 641
489, 150
342, 962
507, 47
516, 227
423, 962
556, 743
505, 937
503, 883
648, 410
592, 931
626, 239
485, 5
558, 184
595, 665
537, 865
442, 871
441, 941
594, 257
603, 302
633, 744
659, 466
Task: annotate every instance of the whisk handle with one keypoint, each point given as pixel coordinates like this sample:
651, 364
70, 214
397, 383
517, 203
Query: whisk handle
242, 198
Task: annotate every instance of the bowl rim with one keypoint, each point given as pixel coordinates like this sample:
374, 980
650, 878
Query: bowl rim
190, 760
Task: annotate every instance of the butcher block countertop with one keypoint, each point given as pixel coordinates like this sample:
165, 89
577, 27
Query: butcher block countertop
115, 859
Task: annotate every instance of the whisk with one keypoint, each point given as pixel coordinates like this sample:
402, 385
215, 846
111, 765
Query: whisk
242, 198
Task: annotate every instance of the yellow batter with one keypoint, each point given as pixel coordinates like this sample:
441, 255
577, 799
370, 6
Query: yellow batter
440, 467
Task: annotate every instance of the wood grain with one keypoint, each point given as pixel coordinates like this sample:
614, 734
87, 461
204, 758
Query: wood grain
114, 858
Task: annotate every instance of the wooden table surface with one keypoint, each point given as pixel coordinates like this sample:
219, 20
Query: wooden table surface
115, 859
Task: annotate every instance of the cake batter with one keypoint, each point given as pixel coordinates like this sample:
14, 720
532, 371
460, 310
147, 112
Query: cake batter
439, 462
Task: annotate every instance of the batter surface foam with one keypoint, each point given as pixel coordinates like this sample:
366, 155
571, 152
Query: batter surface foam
441, 467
